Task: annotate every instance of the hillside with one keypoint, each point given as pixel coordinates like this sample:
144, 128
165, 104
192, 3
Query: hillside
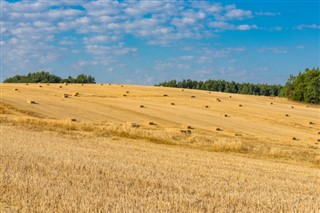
189, 148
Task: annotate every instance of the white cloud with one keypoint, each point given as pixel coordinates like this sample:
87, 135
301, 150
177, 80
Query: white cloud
277, 50
221, 25
246, 27
310, 26
275, 28
170, 66
261, 13
32, 29
186, 57
238, 14
100, 39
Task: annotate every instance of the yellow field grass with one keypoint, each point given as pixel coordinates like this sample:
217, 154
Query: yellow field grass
264, 157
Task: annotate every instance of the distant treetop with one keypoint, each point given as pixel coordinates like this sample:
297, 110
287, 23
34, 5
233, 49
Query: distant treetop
305, 87
46, 77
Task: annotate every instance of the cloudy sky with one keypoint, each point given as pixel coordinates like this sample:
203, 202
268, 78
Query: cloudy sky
145, 42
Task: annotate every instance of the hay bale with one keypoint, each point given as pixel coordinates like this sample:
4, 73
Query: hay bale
238, 134
109, 84
15, 89
40, 86
121, 85
319, 133
75, 94
230, 96
134, 125
165, 95
127, 92
66, 84
240, 105
189, 127
150, 123
172, 104
311, 123
193, 96
287, 115
64, 95
318, 139
218, 100
73, 119
81, 84
209, 92
101, 84
294, 138
206, 106
27, 84
225, 115
48, 84
141, 106
271, 103
187, 132
31, 102
218, 129
60, 86
292, 107
124, 95
182, 90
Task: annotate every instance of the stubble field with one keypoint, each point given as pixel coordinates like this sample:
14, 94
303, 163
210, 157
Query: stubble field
153, 149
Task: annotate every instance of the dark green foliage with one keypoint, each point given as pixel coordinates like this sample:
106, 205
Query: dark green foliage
305, 87
46, 77
225, 86
37, 77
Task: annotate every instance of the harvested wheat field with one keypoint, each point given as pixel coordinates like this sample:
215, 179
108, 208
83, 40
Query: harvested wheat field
125, 148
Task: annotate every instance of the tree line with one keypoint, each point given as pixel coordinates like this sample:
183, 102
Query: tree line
305, 87
46, 77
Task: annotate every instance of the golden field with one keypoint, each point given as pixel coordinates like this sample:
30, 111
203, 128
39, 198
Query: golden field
236, 153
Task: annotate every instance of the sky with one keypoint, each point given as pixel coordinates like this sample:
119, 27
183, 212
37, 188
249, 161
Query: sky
147, 42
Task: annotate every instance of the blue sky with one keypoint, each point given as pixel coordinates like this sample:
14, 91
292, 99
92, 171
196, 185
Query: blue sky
146, 42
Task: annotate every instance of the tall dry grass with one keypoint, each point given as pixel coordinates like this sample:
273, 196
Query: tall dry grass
212, 141
50, 172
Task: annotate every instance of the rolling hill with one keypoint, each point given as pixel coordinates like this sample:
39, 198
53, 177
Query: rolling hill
167, 140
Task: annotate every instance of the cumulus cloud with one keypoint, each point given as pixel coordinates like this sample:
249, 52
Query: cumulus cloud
246, 27
97, 28
238, 14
